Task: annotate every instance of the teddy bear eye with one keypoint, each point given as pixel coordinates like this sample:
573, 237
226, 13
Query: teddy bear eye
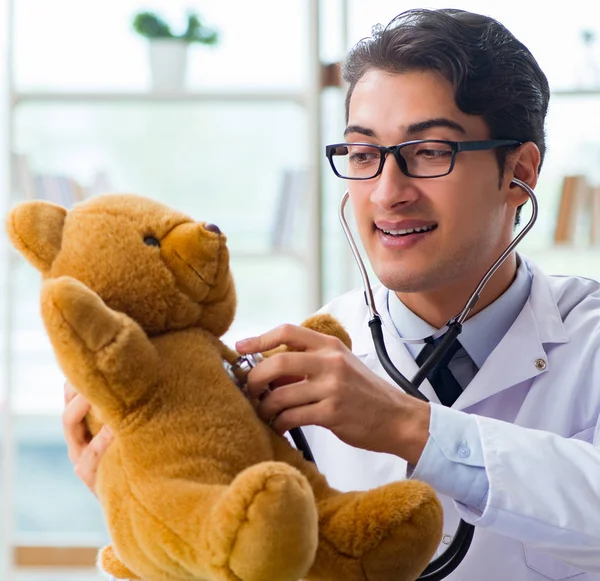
151, 241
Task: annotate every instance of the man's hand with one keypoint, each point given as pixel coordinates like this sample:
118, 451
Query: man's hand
84, 451
332, 388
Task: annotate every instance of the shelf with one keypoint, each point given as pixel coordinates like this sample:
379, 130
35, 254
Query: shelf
574, 260
266, 255
576, 93
223, 96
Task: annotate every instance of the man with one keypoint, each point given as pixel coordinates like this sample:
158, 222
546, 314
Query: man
515, 453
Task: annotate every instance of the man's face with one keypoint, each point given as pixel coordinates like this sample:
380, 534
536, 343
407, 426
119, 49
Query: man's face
466, 216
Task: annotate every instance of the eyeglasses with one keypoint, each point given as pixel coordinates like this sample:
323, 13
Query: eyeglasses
423, 158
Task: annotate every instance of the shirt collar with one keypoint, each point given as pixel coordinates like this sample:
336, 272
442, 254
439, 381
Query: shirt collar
482, 332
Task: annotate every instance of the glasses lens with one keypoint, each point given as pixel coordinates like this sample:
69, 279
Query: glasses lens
356, 161
427, 158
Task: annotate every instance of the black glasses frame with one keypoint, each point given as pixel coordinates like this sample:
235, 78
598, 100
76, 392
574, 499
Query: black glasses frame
456, 147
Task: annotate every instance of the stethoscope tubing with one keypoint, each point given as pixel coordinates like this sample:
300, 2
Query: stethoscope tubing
447, 562
451, 558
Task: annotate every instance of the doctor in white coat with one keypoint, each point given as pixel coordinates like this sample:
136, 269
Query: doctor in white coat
517, 452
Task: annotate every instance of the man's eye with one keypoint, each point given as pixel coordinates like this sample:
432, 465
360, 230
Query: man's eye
363, 157
433, 153
151, 241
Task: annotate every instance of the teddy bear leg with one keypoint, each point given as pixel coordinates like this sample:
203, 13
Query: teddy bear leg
102, 352
264, 527
110, 563
390, 532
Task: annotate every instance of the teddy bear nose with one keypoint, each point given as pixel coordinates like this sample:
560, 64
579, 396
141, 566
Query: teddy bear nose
213, 228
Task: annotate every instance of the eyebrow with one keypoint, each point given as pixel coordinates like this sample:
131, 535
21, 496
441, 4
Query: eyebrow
412, 129
359, 129
437, 122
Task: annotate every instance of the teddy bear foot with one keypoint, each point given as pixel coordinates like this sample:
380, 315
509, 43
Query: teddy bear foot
394, 558
110, 563
390, 532
265, 526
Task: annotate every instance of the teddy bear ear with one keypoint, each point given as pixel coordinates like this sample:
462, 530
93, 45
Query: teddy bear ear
35, 228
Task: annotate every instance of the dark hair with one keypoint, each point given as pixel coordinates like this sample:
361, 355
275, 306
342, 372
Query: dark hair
494, 74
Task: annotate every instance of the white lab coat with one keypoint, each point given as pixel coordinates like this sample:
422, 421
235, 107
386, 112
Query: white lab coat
537, 403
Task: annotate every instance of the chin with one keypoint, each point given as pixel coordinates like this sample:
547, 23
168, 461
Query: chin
401, 280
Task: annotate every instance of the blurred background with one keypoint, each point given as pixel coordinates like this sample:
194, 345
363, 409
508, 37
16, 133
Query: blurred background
227, 124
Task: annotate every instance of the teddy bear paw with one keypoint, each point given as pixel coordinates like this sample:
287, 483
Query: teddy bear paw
111, 564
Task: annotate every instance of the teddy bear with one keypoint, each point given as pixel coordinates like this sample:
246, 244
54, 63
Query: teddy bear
195, 487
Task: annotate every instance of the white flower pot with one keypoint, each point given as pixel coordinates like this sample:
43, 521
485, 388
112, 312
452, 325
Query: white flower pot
168, 63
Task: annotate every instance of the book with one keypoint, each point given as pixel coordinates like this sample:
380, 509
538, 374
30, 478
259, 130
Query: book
574, 203
292, 199
57, 188
595, 216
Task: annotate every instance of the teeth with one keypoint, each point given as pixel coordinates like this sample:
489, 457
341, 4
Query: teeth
408, 231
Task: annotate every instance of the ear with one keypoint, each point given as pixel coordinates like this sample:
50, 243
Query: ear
524, 165
35, 228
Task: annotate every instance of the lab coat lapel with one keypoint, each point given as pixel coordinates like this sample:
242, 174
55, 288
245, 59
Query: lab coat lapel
520, 355
397, 351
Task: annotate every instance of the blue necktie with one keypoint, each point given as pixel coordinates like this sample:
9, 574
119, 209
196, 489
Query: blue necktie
443, 382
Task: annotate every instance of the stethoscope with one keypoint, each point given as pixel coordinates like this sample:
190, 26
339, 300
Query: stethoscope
446, 563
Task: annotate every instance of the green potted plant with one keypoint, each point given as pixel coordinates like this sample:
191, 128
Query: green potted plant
168, 51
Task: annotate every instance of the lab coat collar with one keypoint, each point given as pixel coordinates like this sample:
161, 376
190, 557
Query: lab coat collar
481, 333
549, 323
538, 324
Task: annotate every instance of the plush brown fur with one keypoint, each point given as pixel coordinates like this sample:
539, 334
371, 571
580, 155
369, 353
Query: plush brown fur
195, 486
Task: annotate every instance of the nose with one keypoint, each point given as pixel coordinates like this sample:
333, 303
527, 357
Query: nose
212, 228
393, 186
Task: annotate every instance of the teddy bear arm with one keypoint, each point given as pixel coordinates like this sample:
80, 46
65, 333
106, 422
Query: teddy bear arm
328, 325
227, 353
105, 354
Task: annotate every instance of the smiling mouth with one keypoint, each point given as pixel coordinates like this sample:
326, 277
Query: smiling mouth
408, 231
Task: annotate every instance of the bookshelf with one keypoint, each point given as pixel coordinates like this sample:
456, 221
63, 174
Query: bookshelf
14, 174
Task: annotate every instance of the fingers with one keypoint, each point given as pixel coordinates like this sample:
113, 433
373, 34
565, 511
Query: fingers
287, 397
295, 337
87, 466
84, 451
271, 372
69, 391
75, 429
308, 415
285, 380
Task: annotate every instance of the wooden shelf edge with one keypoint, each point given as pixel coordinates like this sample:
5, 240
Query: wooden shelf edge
54, 557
